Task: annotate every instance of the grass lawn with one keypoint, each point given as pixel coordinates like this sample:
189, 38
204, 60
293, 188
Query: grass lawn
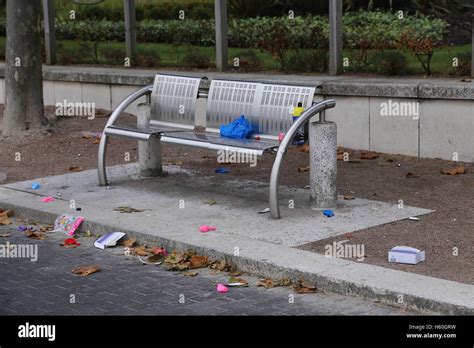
170, 56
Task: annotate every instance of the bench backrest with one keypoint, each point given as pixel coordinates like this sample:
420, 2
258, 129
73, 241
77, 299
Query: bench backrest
267, 106
173, 99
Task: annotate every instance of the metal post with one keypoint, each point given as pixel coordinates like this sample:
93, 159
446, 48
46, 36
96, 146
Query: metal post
149, 152
130, 29
49, 32
323, 165
221, 34
335, 37
472, 49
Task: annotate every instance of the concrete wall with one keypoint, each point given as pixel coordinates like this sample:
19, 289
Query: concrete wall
442, 128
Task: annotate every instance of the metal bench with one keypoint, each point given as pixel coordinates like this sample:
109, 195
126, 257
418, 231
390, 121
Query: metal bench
173, 108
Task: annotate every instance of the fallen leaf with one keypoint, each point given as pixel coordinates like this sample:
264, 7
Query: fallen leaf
210, 202
156, 258
222, 265
35, 235
305, 148
303, 169
348, 197
75, 169
129, 243
198, 261
47, 228
303, 287
96, 141
454, 170
85, 270
5, 235
174, 163
340, 157
266, 283
159, 251
129, 210
191, 274
4, 218
369, 155
410, 175
141, 251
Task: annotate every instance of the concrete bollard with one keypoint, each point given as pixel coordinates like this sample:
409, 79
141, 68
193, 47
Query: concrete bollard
323, 164
149, 153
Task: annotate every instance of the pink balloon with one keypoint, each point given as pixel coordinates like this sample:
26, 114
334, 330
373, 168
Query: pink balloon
222, 288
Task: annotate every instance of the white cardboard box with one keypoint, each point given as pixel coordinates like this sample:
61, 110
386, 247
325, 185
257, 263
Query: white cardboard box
404, 254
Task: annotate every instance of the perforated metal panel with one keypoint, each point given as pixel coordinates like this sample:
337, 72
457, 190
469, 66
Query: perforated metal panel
174, 99
267, 106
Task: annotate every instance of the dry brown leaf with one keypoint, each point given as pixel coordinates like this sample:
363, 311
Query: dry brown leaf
340, 157
191, 274
4, 218
129, 243
35, 235
5, 235
369, 155
222, 265
47, 228
96, 141
305, 148
303, 169
141, 251
85, 270
198, 262
266, 283
348, 197
129, 210
303, 287
454, 170
75, 169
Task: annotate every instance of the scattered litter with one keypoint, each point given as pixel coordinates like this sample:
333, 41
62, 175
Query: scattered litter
5, 235
237, 282
328, 213
413, 218
303, 287
141, 251
221, 170
67, 223
307, 187
152, 260
78, 209
4, 217
303, 169
22, 228
85, 270
264, 211
58, 194
70, 243
454, 170
239, 128
159, 251
281, 136
47, 199
404, 254
35, 186
108, 240
410, 175
128, 210
222, 288
75, 168
206, 228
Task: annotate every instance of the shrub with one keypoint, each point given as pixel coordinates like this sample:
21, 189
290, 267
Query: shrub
113, 55
309, 61
249, 61
464, 65
147, 57
195, 59
392, 63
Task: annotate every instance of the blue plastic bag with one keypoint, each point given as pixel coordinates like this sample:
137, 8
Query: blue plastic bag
240, 128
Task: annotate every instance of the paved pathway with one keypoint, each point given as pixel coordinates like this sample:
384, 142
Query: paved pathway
125, 287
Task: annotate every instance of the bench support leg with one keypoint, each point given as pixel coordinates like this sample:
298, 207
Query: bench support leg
101, 160
323, 164
150, 159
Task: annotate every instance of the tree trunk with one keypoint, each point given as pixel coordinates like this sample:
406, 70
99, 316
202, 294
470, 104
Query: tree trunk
23, 67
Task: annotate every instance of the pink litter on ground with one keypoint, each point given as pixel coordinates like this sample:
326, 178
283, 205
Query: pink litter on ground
205, 228
47, 199
222, 288
281, 136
